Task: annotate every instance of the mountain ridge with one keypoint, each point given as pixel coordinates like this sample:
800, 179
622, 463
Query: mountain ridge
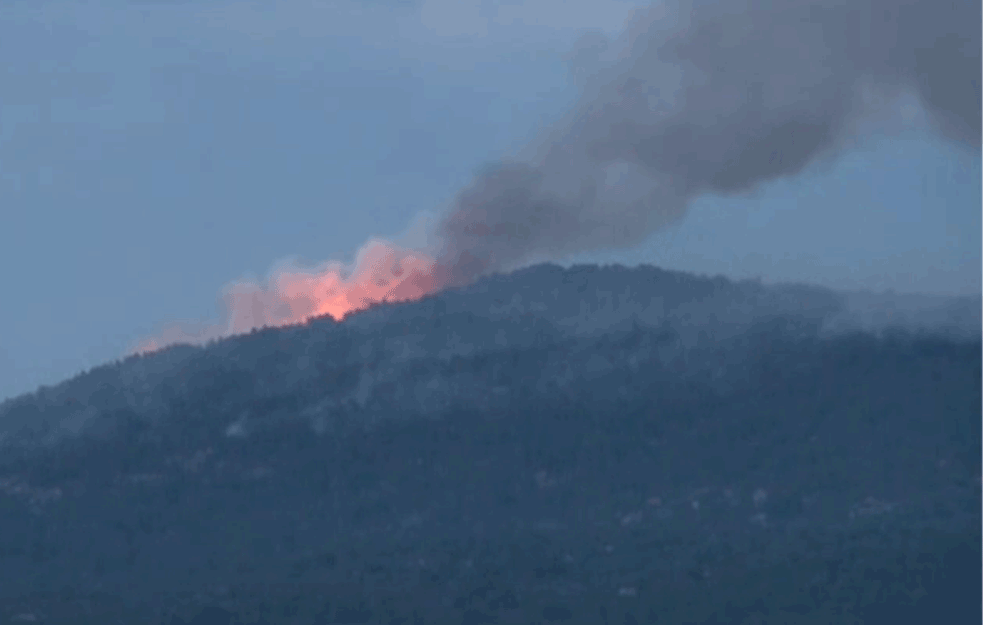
582, 302
719, 455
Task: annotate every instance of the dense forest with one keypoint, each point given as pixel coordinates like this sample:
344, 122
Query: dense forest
679, 467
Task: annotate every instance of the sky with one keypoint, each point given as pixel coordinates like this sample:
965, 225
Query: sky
153, 152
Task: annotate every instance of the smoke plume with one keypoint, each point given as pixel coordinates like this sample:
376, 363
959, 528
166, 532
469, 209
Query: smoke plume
716, 97
698, 96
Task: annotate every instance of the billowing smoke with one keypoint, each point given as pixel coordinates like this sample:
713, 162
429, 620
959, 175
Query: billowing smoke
711, 96
698, 96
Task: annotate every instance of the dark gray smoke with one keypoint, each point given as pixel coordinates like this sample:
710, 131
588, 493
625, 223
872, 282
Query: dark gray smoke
715, 96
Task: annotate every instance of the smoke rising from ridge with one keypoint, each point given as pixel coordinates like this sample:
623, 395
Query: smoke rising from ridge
715, 97
698, 96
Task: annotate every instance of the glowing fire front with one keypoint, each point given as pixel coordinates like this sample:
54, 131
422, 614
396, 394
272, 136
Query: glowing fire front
382, 272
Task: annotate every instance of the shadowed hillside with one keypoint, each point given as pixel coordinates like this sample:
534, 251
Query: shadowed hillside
589, 445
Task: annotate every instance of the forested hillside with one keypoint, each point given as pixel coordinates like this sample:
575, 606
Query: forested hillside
554, 446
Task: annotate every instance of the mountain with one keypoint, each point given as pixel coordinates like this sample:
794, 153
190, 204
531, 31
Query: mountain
582, 445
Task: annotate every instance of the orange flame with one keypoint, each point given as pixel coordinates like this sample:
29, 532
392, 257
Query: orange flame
383, 272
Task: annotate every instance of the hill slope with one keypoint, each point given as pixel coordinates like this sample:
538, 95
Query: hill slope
592, 445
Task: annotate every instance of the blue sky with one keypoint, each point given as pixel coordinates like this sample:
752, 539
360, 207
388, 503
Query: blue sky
152, 152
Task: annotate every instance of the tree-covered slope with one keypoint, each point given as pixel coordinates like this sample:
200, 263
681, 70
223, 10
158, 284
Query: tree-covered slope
760, 472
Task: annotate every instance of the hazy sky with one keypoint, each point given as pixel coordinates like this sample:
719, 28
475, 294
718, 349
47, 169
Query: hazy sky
151, 152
